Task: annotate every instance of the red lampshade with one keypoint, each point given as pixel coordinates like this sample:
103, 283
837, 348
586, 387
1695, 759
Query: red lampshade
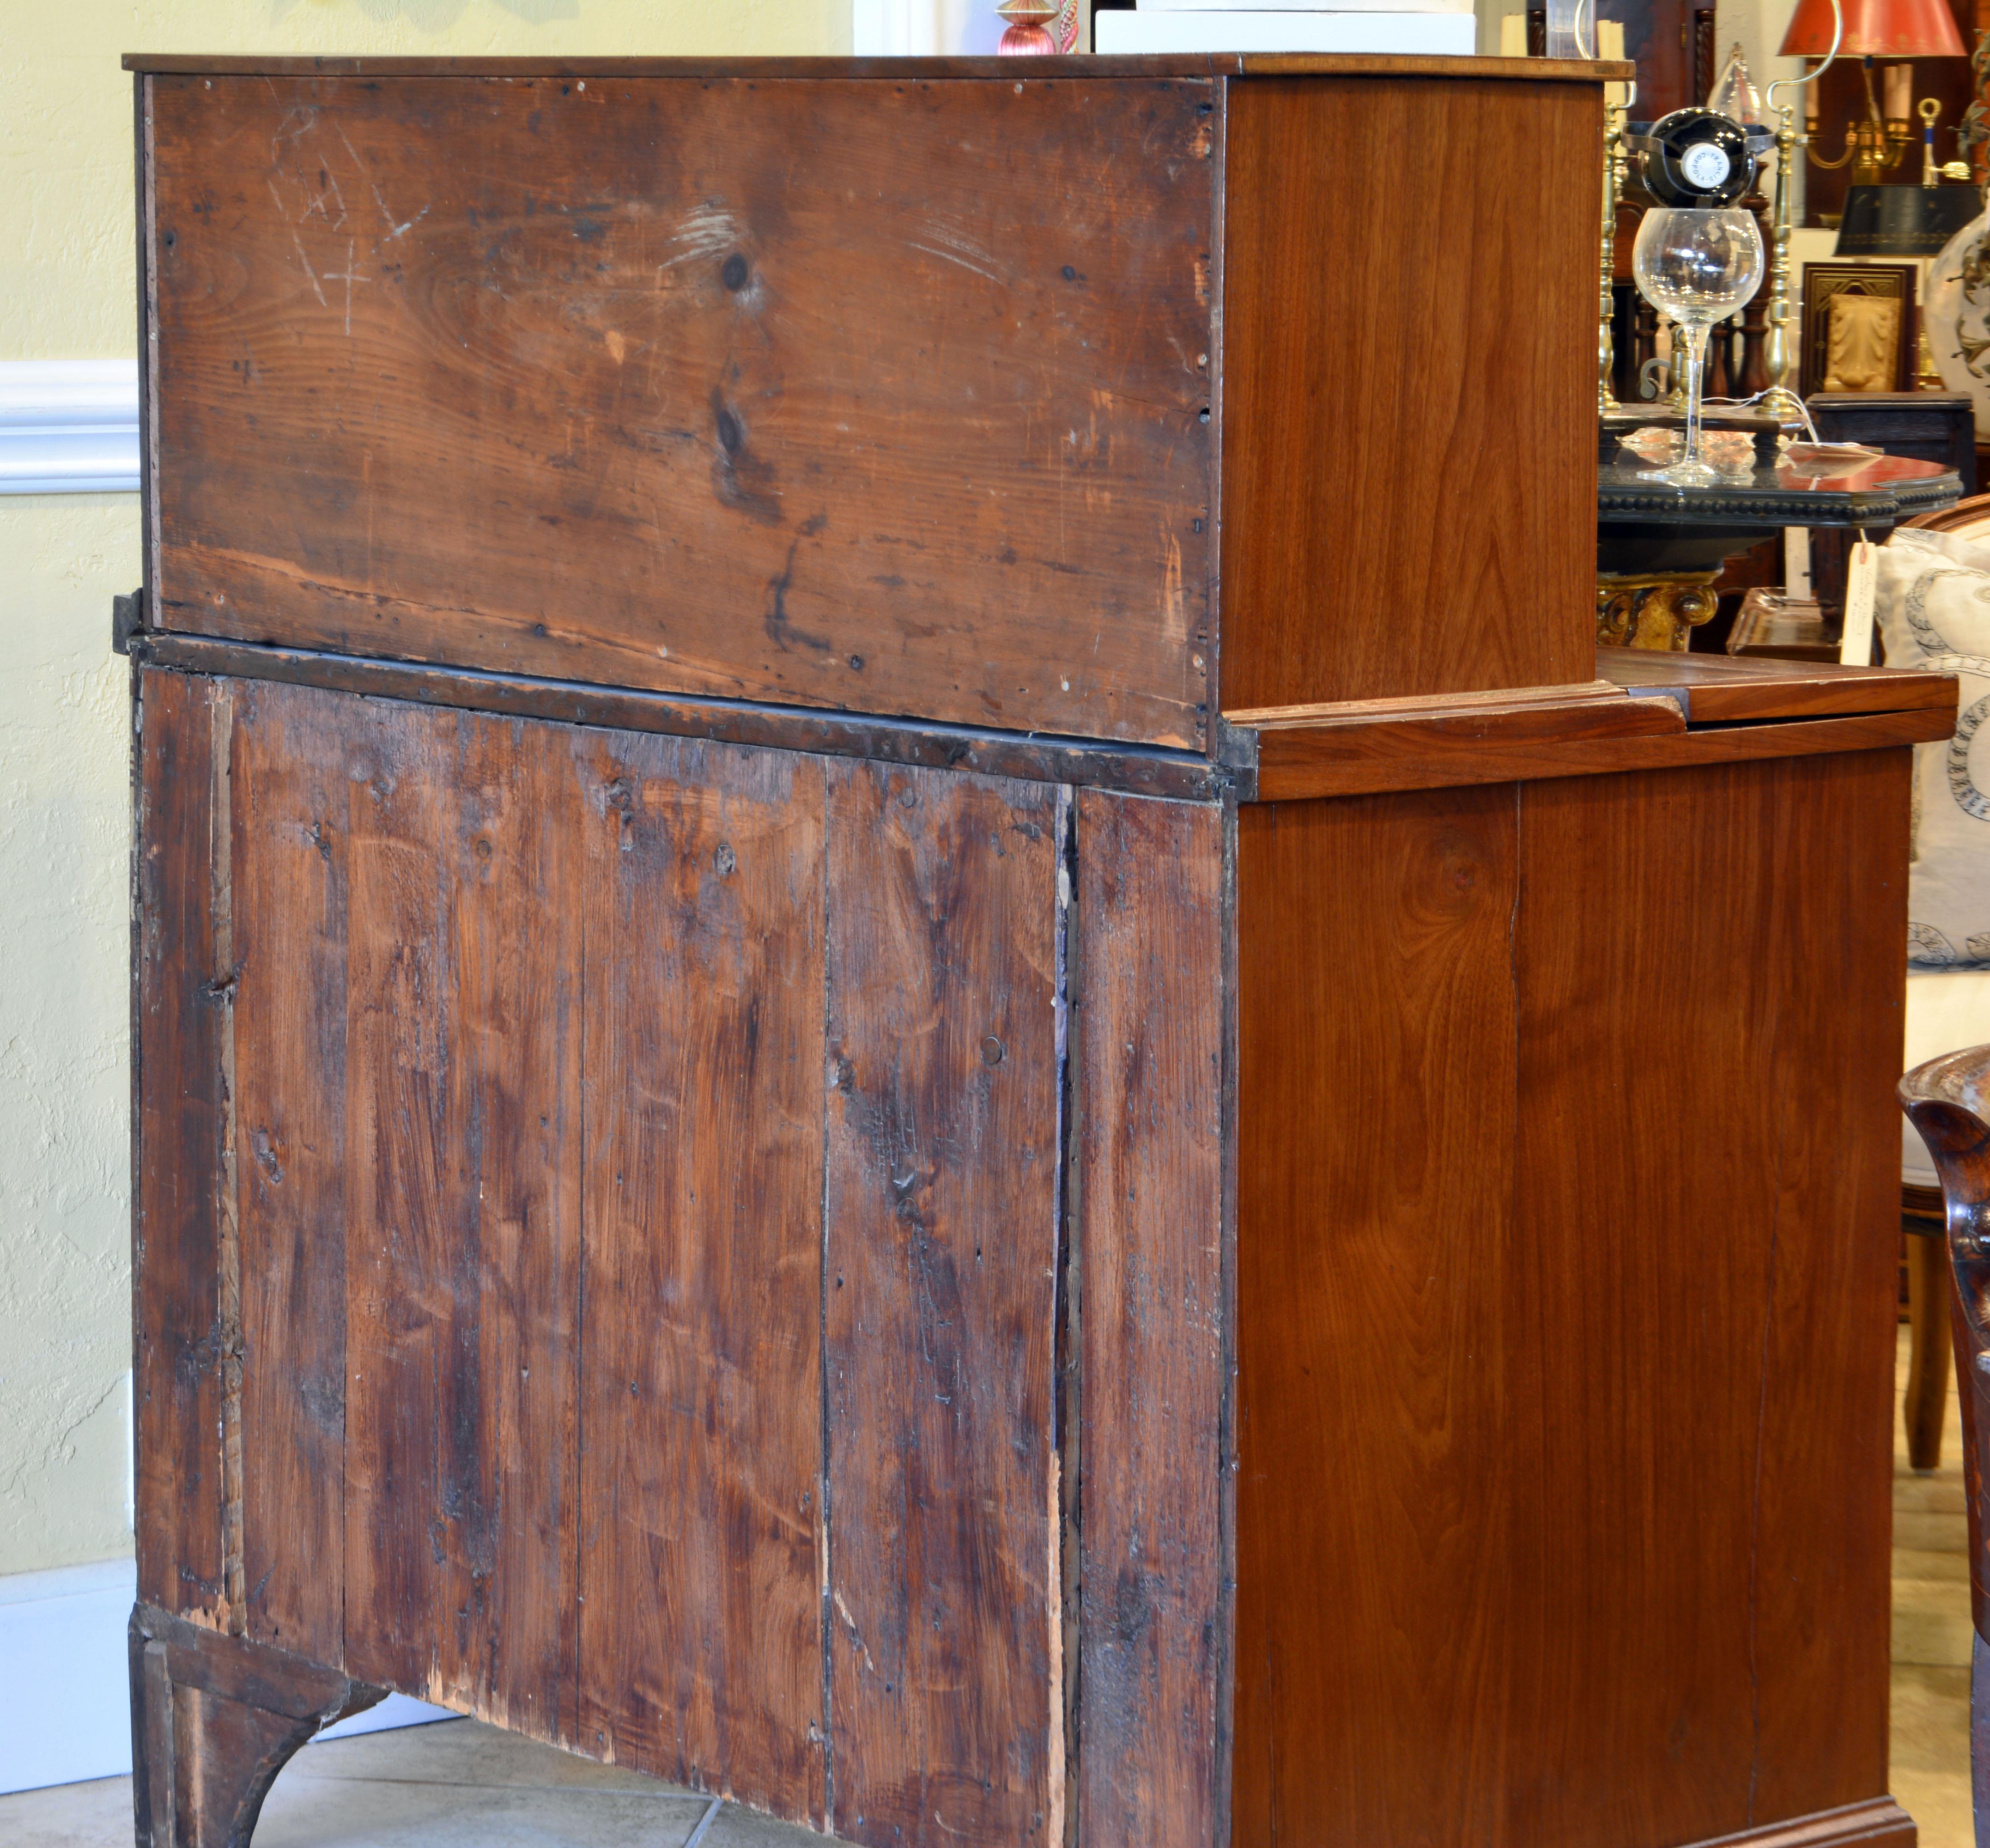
1878, 28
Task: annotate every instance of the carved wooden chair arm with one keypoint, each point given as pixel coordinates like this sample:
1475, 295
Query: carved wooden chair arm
1949, 1101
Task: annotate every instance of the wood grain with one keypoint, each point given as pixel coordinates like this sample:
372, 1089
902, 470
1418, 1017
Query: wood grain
1748, 1288
1138, 769
604, 382
177, 1169
940, 1203
1371, 543
1152, 912
701, 1623
1838, 826
1296, 761
464, 1040
1725, 688
290, 925
1374, 1245
1573, 1142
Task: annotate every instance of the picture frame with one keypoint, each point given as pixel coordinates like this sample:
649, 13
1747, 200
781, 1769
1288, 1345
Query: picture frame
1822, 282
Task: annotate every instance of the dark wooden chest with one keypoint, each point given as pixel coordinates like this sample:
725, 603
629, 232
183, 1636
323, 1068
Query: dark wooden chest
914, 1039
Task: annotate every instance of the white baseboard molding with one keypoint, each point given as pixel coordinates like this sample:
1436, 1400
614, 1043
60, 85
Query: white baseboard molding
68, 427
65, 1707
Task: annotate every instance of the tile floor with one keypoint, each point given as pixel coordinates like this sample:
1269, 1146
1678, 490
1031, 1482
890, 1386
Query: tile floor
459, 1784
453, 1784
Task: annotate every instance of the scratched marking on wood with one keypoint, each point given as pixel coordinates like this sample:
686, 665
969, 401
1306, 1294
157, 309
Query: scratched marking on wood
701, 1624
940, 1199
1150, 921
600, 381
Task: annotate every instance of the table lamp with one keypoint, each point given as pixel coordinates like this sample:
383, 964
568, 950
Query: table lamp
1882, 28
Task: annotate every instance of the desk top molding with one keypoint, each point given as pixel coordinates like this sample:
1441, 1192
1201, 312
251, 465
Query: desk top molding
1650, 711
1238, 64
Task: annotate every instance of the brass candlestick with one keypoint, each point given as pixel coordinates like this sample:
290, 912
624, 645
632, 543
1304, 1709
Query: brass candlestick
1613, 172
1779, 401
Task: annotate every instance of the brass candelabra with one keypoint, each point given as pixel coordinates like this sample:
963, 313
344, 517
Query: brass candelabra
1874, 143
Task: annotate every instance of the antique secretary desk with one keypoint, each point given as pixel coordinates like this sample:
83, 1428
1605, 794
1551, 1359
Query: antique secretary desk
912, 1037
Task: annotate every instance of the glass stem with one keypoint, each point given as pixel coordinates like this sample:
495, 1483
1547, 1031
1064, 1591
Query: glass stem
1696, 368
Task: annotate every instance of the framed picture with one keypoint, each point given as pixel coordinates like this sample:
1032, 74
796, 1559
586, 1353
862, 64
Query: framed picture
1858, 328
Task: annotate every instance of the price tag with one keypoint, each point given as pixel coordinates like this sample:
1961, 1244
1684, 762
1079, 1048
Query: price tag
1861, 575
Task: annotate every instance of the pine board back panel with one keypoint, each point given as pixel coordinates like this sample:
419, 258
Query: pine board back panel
603, 379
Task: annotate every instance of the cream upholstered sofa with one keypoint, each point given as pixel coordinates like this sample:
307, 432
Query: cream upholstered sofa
1946, 1010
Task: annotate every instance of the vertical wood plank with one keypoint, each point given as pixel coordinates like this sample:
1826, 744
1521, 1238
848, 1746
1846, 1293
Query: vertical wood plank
1440, 543
1727, 1582
941, 1203
700, 1622
1148, 1009
464, 1165
177, 1157
1825, 1440
289, 794
1646, 1179
1375, 1051
1564, 1250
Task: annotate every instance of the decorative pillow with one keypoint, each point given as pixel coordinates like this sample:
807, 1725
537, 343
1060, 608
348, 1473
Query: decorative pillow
1932, 605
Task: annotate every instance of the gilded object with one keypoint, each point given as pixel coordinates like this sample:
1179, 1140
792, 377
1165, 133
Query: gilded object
1658, 611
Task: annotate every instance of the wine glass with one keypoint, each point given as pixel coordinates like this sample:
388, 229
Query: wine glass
1697, 267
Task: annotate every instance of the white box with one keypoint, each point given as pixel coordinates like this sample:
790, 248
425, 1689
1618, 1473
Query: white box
1304, 6
1394, 34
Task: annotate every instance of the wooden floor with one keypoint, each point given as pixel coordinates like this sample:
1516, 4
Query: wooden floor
1930, 1743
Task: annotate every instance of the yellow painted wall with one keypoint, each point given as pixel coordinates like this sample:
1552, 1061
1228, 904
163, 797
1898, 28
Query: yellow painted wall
66, 292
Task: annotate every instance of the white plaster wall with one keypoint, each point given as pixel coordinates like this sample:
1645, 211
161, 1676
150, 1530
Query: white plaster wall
64, 1327
897, 28
67, 293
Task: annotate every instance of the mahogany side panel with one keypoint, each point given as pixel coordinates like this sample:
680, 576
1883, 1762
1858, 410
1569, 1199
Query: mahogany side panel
1376, 1546
1148, 974
1372, 543
700, 1622
941, 1247
290, 921
1824, 1532
1584, 1309
1660, 1090
177, 1167
462, 1165
596, 378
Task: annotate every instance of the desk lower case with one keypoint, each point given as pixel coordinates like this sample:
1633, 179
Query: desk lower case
765, 1150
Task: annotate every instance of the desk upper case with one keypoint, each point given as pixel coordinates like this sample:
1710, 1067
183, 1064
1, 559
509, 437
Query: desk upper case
768, 1147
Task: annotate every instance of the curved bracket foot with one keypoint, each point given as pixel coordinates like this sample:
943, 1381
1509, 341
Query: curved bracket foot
214, 1718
